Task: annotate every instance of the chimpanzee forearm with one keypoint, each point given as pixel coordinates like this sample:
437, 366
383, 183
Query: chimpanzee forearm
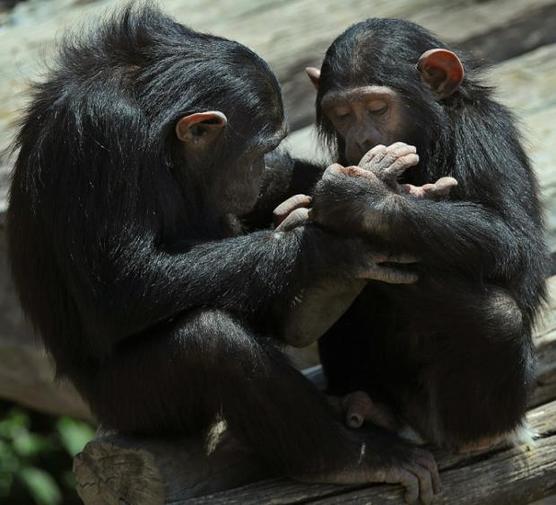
451, 234
455, 233
250, 274
475, 240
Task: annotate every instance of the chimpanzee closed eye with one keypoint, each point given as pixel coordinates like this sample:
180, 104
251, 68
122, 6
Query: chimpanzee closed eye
138, 154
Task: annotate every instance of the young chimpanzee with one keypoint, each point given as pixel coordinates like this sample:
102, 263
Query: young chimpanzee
137, 155
452, 355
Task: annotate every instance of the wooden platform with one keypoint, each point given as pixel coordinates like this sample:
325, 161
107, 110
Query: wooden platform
517, 36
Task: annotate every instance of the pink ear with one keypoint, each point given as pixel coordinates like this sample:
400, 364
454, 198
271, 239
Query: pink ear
442, 70
314, 75
210, 120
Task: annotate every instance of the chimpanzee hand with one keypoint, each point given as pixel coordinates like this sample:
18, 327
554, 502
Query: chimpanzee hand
353, 201
295, 212
358, 200
317, 307
388, 163
292, 213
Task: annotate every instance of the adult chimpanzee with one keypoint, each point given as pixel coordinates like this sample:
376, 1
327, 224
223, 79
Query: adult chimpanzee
137, 154
452, 354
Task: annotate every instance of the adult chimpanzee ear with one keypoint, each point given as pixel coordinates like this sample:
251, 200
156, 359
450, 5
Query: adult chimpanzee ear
442, 70
314, 75
200, 128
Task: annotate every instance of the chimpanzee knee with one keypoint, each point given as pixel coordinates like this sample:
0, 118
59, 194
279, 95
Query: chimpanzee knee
501, 313
152, 385
482, 392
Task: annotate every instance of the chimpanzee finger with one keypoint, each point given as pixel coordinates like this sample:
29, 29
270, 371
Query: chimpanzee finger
355, 171
399, 166
369, 156
426, 493
332, 171
427, 460
393, 153
389, 275
401, 148
294, 219
441, 187
285, 208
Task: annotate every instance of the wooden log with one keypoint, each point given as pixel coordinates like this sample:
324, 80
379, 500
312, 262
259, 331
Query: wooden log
113, 470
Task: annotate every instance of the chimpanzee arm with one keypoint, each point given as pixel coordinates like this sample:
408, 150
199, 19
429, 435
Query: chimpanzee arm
453, 234
136, 284
463, 234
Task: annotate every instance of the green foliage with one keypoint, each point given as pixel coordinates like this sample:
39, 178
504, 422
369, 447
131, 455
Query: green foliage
42, 487
73, 434
36, 455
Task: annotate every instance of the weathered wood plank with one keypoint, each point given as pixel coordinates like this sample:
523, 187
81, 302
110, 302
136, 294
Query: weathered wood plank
525, 32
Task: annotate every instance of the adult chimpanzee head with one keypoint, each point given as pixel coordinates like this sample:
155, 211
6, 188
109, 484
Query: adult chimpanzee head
186, 109
382, 81
228, 115
217, 104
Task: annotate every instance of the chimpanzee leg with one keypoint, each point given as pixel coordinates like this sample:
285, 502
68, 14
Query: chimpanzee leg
209, 364
477, 371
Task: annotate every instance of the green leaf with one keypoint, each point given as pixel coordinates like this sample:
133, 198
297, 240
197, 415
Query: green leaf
41, 486
9, 462
74, 434
28, 444
15, 421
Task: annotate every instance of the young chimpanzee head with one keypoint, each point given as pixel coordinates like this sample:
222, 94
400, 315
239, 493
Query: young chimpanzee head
382, 81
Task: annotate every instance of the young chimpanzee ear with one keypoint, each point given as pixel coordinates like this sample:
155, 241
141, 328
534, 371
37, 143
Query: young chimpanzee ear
201, 128
442, 70
314, 75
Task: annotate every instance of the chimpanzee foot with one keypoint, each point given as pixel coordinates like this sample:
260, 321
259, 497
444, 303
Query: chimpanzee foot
391, 461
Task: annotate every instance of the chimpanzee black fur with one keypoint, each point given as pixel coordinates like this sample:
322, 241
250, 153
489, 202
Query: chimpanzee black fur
452, 354
128, 257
